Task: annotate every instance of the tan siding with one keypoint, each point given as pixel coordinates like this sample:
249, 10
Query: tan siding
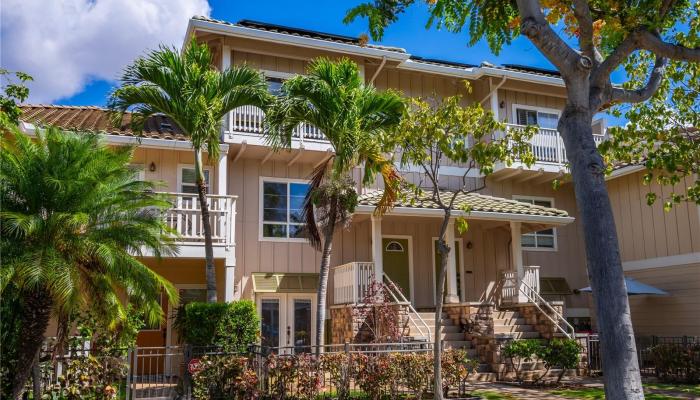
510, 97
648, 231
166, 163
673, 315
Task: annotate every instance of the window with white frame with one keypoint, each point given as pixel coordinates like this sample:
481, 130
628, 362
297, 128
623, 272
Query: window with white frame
545, 239
282, 209
532, 116
188, 179
274, 85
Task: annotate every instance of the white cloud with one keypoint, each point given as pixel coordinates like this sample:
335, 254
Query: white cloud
65, 44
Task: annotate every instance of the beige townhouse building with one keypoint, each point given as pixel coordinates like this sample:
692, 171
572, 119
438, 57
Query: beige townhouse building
524, 246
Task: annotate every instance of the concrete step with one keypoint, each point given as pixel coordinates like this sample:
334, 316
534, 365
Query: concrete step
517, 335
444, 321
506, 314
509, 321
512, 328
460, 344
459, 336
431, 315
451, 329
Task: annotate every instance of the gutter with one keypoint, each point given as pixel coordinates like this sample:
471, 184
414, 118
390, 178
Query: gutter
283, 38
481, 215
376, 73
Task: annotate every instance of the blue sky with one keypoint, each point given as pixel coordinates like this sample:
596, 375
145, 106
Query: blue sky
409, 32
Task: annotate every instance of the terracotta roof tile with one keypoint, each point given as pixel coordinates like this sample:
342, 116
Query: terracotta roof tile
477, 202
97, 119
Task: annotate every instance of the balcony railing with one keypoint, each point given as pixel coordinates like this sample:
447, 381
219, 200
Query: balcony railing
351, 281
185, 218
547, 145
251, 120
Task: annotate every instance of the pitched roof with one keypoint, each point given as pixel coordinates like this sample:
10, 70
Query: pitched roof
97, 119
476, 202
288, 30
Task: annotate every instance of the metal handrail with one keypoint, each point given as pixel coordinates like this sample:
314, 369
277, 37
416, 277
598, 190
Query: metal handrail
539, 299
412, 311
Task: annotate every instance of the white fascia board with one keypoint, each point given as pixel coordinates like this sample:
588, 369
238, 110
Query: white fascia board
630, 169
662, 262
468, 73
481, 215
167, 144
522, 76
276, 37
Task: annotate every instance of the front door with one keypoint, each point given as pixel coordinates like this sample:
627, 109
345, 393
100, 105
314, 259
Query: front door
396, 261
287, 321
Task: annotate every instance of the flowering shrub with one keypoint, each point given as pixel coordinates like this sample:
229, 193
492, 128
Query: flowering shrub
379, 315
676, 362
339, 367
415, 371
375, 373
89, 377
308, 380
456, 367
281, 371
224, 377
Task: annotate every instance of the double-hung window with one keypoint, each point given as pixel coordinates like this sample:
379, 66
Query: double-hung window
188, 180
545, 239
282, 209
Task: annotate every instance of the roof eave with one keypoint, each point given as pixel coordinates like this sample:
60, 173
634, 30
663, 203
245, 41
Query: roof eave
523, 76
276, 37
480, 215
470, 73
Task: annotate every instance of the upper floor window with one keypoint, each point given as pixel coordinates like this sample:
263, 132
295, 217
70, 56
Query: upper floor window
545, 239
187, 179
282, 209
533, 116
274, 85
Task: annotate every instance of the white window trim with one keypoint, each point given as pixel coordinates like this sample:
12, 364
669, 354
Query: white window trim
516, 106
261, 237
278, 75
180, 167
554, 230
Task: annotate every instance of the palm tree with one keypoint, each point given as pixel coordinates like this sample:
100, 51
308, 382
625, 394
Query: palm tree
186, 87
74, 218
353, 117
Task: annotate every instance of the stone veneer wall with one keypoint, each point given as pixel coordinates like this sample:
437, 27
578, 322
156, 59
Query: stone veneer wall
347, 327
543, 325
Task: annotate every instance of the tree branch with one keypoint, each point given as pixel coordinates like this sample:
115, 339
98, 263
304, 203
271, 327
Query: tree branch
654, 43
537, 29
601, 74
637, 96
585, 27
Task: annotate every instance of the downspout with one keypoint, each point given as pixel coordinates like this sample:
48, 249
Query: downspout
376, 73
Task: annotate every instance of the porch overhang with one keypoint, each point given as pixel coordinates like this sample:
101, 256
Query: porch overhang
482, 207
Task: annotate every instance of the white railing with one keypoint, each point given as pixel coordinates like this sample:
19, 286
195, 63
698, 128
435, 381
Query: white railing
251, 119
527, 290
185, 218
414, 317
547, 145
351, 281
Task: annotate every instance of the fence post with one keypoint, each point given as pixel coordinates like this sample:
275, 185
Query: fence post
187, 382
129, 366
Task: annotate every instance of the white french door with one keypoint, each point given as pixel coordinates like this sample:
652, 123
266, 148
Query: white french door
287, 320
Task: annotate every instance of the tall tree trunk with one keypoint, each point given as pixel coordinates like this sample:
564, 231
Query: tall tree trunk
444, 250
323, 289
619, 353
206, 225
36, 310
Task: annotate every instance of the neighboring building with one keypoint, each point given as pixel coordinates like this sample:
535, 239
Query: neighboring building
661, 249
522, 233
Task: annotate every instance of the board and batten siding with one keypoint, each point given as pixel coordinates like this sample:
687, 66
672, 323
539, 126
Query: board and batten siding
646, 232
166, 166
673, 315
511, 97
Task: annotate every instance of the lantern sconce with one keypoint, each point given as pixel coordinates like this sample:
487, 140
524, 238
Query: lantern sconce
152, 167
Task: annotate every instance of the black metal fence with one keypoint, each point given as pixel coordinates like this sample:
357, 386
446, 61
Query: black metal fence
683, 352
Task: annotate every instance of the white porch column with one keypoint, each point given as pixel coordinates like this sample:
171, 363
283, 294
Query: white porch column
451, 296
516, 250
377, 250
225, 57
222, 174
229, 281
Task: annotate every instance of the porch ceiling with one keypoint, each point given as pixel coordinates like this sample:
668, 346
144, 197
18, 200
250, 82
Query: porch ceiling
482, 207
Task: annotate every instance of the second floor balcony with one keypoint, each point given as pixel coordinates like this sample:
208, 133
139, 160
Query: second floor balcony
249, 121
185, 218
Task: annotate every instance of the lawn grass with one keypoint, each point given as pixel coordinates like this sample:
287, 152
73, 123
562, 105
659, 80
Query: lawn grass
599, 394
492, 395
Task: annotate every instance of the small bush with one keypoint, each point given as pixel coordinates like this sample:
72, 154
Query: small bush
224, 377
375, 373
415, 371
456, 367
676, 362
339, 367
520, 351
233, 326
559, 353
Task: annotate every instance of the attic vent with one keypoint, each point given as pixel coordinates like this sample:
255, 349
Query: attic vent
284, 283
166, 126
